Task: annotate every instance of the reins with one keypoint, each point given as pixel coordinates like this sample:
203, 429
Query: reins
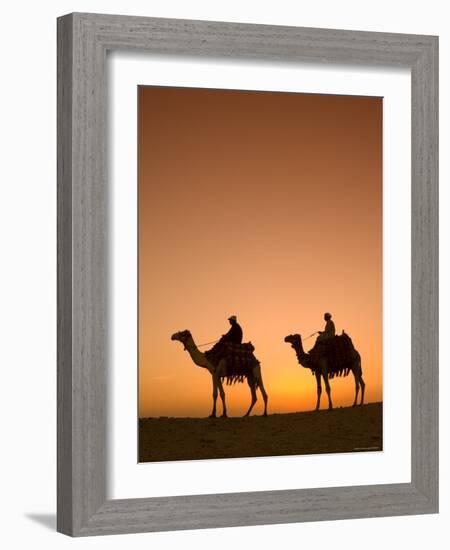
215, 341
201, 345
311, 335
207, 343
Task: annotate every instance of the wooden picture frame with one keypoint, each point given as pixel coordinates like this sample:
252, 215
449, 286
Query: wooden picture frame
83, 40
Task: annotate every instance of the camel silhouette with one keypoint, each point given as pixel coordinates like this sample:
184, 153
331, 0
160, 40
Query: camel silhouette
321, 368
220, 371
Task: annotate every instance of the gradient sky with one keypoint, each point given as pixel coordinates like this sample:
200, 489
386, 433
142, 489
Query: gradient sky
268, 206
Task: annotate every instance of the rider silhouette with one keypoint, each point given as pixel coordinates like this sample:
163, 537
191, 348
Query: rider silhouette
234, 335
329, 331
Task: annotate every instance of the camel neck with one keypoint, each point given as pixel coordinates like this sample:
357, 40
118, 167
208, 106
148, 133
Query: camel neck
302, 357
196, 355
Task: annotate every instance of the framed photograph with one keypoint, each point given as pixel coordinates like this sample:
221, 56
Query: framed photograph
247, 274
264, 209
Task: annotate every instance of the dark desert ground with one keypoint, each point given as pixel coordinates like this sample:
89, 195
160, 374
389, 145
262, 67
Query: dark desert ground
341, 430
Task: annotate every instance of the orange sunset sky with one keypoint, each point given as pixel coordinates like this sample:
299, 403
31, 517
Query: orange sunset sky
268, 206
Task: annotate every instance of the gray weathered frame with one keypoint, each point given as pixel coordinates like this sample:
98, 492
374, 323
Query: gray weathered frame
83, 40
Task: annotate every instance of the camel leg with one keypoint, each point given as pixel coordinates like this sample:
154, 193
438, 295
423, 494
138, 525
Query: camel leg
363, 387
356, 375
258, 377
327, 388
356, 392
213, 412
359, 380
222, 397
254, 398
319, 389
221, 370
263, 393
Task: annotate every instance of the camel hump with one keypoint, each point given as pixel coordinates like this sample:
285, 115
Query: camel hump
339, 353
240, 360
342, 341
244, 347
240, 353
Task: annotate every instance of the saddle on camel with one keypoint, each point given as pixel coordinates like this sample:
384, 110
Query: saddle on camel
339, 352
239, 357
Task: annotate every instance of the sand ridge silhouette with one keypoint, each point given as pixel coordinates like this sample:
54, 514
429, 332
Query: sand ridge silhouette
346, 429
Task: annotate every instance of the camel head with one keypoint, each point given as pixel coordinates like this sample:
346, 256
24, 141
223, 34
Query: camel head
296, 342
182, 336
293, 339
